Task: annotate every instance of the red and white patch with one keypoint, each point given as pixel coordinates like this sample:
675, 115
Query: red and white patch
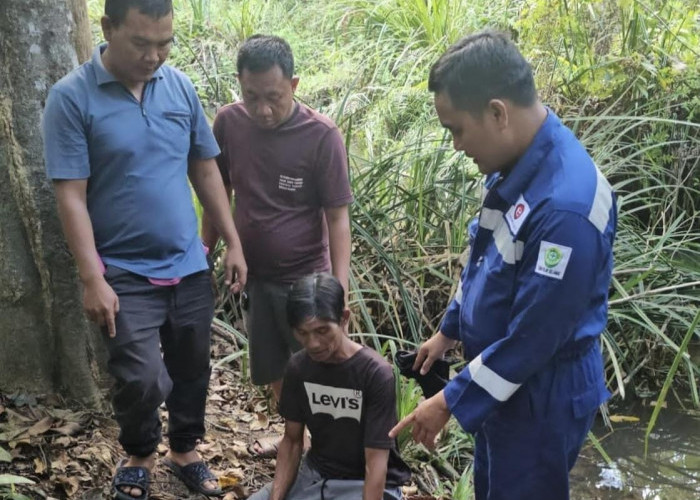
517, 214
519, 209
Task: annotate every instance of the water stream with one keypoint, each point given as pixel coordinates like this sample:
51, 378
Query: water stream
671, 471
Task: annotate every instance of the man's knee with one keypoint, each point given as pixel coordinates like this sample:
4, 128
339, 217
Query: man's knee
143, 389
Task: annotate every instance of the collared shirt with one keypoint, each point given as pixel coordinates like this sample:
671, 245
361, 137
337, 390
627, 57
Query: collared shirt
537, 279
135, 158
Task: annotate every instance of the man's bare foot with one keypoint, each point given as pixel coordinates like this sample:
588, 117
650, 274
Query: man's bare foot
190, 457
266, 446
134, 461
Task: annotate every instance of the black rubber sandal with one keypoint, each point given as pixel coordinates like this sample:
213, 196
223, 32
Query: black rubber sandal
132, 477
194, 476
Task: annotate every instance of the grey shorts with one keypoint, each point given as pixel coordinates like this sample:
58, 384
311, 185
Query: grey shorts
309, 485
270, 340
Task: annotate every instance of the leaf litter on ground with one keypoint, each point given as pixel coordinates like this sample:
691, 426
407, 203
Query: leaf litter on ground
71, 453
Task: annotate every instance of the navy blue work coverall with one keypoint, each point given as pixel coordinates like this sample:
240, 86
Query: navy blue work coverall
530, 308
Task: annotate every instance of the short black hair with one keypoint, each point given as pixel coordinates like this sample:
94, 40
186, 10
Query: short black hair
318, 295
480, 67
259, 53
116, 10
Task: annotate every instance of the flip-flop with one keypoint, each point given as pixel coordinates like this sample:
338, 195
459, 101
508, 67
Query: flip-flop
268, 447
133, 477
194, 476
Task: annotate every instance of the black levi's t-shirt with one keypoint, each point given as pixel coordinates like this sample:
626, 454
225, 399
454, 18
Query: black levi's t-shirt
347, 407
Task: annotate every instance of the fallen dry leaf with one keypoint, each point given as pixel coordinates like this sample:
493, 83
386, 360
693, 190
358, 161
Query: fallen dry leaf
41, 427
228, 481
260, 423
230, 423
13, 432
17, 416
70, 484
623, 418
63, 441
245, 417
68, 415
39, 466
60, 463
16, 442
240, 450
69, 429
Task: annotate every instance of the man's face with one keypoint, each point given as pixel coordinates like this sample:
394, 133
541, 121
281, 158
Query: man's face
322, 339
268, 96
480, 137
138, 46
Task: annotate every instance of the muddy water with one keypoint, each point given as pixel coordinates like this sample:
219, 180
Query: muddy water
671, 470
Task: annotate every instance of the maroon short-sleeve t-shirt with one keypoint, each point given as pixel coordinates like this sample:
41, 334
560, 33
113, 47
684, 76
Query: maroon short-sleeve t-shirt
282, 180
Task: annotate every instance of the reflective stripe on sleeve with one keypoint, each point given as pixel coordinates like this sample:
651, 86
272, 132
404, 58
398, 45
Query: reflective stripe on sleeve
602, 202
490, 381
490, 218
458, 295
510, 251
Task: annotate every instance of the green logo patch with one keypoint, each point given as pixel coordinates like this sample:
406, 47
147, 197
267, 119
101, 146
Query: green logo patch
552, 257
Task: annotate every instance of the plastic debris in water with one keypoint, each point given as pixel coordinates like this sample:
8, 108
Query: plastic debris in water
610, 478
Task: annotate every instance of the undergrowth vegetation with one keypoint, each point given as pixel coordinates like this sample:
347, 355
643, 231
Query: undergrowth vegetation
623, 74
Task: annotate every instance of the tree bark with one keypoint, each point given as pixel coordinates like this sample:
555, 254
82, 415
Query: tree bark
46, 343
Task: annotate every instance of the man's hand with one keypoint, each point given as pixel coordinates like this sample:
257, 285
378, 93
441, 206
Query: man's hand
432, 349
427, 420
101, 304
235, 269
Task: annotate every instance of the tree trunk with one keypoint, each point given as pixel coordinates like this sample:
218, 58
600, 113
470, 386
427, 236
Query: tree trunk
46, 344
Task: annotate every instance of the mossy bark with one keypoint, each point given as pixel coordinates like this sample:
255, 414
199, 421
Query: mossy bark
46, 344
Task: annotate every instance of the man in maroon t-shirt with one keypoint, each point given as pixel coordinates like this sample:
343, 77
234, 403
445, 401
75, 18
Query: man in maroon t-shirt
287, 166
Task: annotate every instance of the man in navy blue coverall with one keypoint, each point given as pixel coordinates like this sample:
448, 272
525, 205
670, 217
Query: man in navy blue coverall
532, 300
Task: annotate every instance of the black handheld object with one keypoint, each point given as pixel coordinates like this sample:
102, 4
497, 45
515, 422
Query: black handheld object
432, 382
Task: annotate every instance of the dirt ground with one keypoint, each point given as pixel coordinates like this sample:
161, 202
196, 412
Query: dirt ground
71, 453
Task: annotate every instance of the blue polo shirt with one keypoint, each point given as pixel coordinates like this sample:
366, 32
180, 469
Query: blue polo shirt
536, 284
135, 158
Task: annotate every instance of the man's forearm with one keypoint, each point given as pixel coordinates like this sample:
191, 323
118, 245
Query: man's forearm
375, 481
77, 228
339, 242
210, 236
288, 459
373, 488
217, 220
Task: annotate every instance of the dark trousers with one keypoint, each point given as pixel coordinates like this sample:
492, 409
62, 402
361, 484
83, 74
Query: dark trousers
178, 319
526, 449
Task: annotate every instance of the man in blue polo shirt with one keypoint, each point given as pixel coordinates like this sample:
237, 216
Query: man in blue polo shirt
123, 133
532, 300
